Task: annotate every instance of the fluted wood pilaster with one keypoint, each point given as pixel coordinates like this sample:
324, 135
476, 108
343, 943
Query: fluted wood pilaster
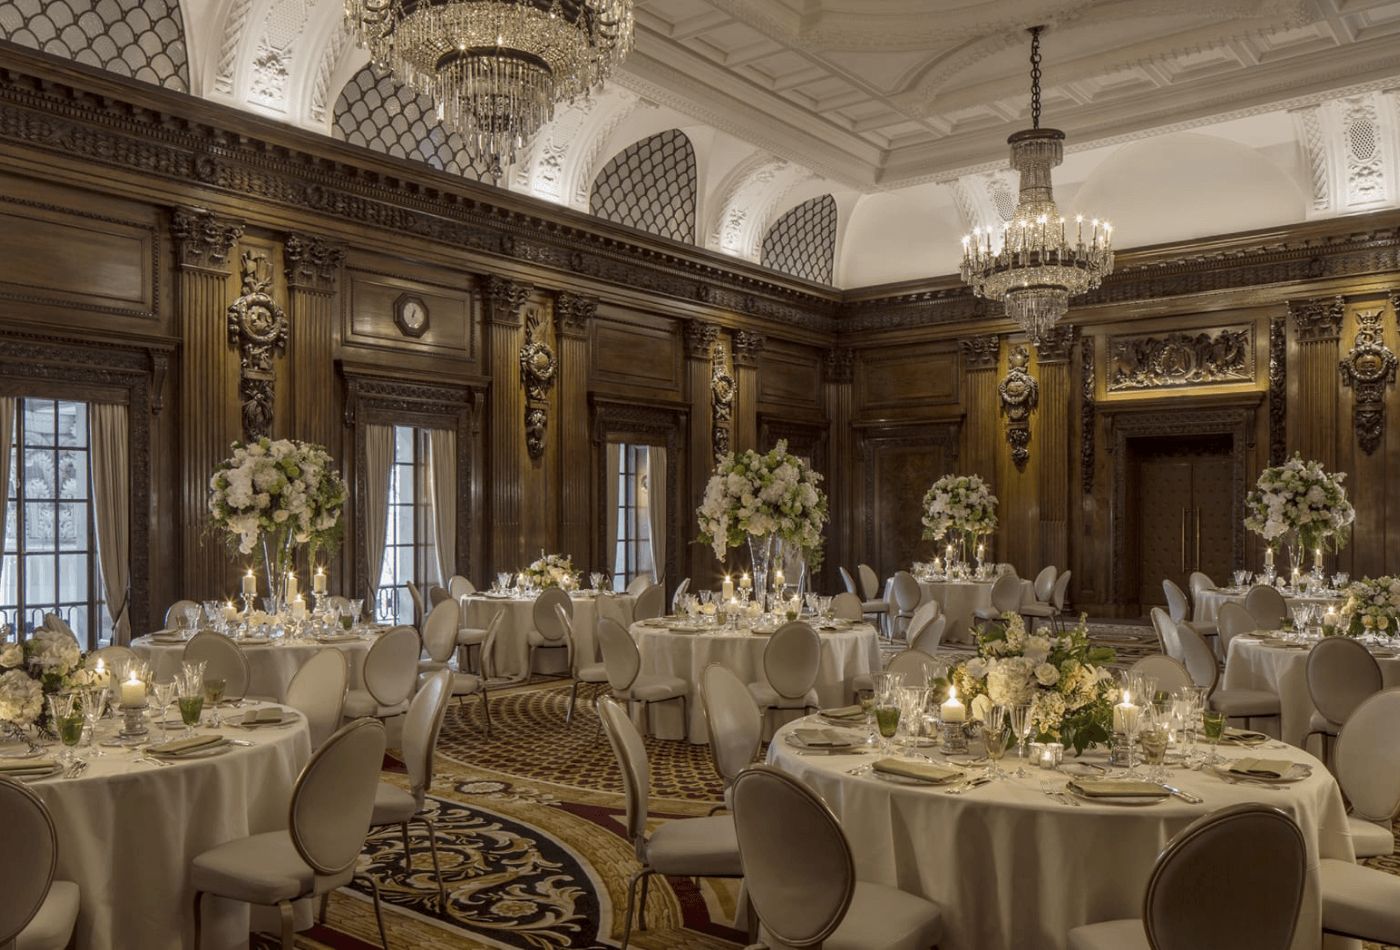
747, 348
838, 372
981, 428
1053, 440
313, 270
572, 315
506, 455
700, 341
1317, 326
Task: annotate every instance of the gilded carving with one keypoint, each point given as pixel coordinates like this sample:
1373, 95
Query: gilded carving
1278, 390
258, 327
1367, 369
1020, 394
1318, 319
1088, 423
1181, 359
1056, 344
981, 352
538, 367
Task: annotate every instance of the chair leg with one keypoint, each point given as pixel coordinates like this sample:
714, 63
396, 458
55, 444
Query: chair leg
685, 717
486, 707
325, 904
573, 698
530, 665
198, 917
642, 905
289, 934
631, 903
407, 851
437, 868
379, 914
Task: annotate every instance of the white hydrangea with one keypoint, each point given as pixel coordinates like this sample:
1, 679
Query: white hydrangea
1299, 497
1372, 605
21, 698
755, 494
272, 487
54, 652
959, 504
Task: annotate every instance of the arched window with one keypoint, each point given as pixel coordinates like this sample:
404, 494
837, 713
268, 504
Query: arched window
143, 39
803, 241
650, 186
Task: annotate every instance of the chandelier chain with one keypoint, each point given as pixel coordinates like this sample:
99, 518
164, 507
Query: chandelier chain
1035, 76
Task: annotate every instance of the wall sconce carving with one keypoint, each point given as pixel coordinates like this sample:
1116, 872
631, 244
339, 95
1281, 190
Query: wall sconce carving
538, 368
1020, 394
1278, 390
258, 327
1087, 405
1181, 359
1367, 369
721, 401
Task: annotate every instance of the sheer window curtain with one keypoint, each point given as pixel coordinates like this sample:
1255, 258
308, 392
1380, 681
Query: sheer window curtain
379, 459
656, 510
614, 466
442, 495
111, 496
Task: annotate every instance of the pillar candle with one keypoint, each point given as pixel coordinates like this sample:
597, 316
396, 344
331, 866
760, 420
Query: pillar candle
291, 587
1125, 715
230, 611
318, 583
953, 710
727, 588
250, 583
745, 582
133, 692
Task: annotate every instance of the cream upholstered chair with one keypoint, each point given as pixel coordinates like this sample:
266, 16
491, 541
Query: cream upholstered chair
734, 724
791, 661
1359, 902
1051, 609
1166, 630
927, 638
923, 616
1199, 659
907, 596
872, 600
651, 602
332, 803
1006, 599
468, 637
459, 587
1366, 762
801, 879
681, 590
1231, 621
317, 691
1198, 582
917, 667
547, 634
623, 663
1233, 878
849, 582
683, 847
420, 609
586, 669
1342, 674
436, 595
438, 640
1044, 584
390, 673
639, 583
847, 606
1180, 609
37, 912
113, 658
1267, 606
1169, 673
223, 659
175, 614
395, 806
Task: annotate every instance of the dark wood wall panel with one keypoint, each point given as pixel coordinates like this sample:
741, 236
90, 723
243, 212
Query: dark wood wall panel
452, 329
907, 379
633, 352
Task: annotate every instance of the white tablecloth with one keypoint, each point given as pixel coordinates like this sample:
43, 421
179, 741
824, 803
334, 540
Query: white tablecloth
128, 830
1253, 664
845, 654
1209, 601
512, 643
958, 599
271, 666
1013, 869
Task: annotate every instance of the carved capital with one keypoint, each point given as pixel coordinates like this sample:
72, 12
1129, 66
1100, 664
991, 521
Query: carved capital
840, 364
747, 347
572, 313
1056, 344
312, 263
1318, 319
504, 299
981, 352
203, 240
700, 338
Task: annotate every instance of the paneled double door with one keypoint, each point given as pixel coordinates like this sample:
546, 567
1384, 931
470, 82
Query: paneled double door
1185, 518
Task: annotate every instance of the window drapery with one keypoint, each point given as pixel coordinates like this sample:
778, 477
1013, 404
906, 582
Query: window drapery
656, 510
614, 465
111, 495
379, 459
442, 496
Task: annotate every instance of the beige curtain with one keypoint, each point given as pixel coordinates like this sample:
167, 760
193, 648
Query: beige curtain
614, 465
442, 495
7, 435
379, 459
656, 510
111, 496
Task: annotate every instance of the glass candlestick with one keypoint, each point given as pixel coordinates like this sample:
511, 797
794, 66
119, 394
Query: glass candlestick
133, 721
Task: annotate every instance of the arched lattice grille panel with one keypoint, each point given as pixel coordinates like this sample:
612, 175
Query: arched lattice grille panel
387, 117
803, 241
143, 39
650, 185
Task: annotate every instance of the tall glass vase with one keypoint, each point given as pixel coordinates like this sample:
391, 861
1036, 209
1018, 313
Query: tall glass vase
277, 551
789, 558
760, 557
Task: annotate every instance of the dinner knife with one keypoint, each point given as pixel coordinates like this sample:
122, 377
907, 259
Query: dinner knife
1184, 796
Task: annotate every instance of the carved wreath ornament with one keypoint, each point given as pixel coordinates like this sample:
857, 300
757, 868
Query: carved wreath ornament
538, 367
1368, 368
1020, 394
258, 327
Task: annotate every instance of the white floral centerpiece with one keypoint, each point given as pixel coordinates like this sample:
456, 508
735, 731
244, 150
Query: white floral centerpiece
47, 662
960, 506
1372, 606
1300, 498
552, 570
1064, 678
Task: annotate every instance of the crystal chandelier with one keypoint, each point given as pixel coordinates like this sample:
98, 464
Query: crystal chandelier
1037, 266
495, 68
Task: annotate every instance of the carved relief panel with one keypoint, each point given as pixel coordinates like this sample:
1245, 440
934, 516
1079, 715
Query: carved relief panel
1367, 369
258, 327
1162, 361
721, 400
538, 368
1020, 394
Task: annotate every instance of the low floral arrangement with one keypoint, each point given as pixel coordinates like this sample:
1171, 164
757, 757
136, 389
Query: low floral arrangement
286, 492
1064, 678
1372, 606
959, 504
1299, 497
47, 662
552, 570
761, 494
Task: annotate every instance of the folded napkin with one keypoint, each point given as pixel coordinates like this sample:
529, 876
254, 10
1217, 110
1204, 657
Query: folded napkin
854, 713
1243, 737
20, 766
1260, 768
254, 641
263, 717
337, 638
825, 738
922, 771
1117, 788
185, 746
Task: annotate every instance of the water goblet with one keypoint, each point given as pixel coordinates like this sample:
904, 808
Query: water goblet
213, 695
67, 722
1152, 739
596, 580
886, 720
1340, 579
94, 705
996, 735
1213, 725
1242, 578
163, 694
190, 699
1021, 727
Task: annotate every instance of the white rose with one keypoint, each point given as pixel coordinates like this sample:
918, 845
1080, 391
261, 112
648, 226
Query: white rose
1047, 675
11, 655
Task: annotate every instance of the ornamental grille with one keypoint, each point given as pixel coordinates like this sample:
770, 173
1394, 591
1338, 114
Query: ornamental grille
142, 39
803, 241
388, 117
650, 186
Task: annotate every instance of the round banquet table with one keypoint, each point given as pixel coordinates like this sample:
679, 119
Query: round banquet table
1282, 668
271, 666
958, 599
128, 829
1013, 868
1209, 601
512, 640
674, 648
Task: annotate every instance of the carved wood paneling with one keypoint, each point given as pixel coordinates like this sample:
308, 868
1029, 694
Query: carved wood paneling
313, 269
506, 455
1020, 394
1164, 361
898, 463
1368, 370
1088, 421
258, 328
573, 316
1317, 326
746, 347
1278, 389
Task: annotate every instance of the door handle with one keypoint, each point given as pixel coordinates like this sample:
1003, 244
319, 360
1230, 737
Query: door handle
1198, 540
1182, 559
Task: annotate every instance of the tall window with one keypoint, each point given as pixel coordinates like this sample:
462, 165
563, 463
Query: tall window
633, 555
50, 563
409, 553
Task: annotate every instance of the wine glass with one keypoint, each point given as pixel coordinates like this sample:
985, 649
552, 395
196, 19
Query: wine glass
1153, 737
357, 607
1021, 726
866, 698
67, 723
595, 579
1340, 580
996, 734
94, 705
163, 694
887, 718
191, 701
1242, 578
192, 617
213, 694
1213, 724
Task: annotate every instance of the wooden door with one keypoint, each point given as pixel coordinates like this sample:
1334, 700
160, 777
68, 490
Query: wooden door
1213, 523
1164, 504
1183, 499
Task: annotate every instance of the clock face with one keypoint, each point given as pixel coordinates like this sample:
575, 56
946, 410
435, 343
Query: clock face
411, 314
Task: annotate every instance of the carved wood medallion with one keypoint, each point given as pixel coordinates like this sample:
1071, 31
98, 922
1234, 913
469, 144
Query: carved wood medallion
1367, 369
1020, 394
538, 367
258, 327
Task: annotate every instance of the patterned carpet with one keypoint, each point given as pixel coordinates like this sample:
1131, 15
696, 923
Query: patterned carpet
530, 833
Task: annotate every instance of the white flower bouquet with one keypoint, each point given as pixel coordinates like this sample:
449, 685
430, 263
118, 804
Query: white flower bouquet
552, 570
286, 490
775, 493
1372, 606
47, 662
959, 504
1300, 497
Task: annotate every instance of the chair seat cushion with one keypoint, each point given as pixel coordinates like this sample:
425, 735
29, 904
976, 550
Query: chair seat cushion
465, 684
470, 636
1204, 628
537, 639
52, 926
430, 666
768, 698
592, 673
1039, 610
260, 869
1359, 901
987, 613
392, 805
874, 607
888, 918
695, 847
652, 687
1370, 839
1110, 935
1245, 702
1320, 723
359, 702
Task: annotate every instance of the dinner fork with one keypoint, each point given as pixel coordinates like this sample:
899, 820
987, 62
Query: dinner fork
1057, 795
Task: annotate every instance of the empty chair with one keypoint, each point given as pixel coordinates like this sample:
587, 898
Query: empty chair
907, 595
317, 691
872, 601
1342, 674
801, 878
332, 803
1366, 762
1359, 902
1006, 568
847, 606
390, 672
1006, 599
437, 595
438, 640
1180, 609
930, 635
651, 602
37, 912
918, 667
623, 663
459, 587
1231, 621
113, 658
1051, 610
1170, 674
922, 617
1199, 659
850, 583
639, 583
681, 590
393, 805
1267, 606
420, 610
175, 616
734, 723
547, 634
223, 659
585, 669
791, 661
1044, 585
1167, 638
1233, 878
1199, 582
467, 637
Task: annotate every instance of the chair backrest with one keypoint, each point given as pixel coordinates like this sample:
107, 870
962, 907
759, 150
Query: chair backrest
1231, 620
458, 586
1169, 673
487, 657
850, 582
1006, 594
923, 616
223, 659
1366, 758
1167, 637
1061, 590
418, 608
1199, 582
631, 755
651, 602
31, 854
1342, 674
681, 589
421, 727
317, 691
733, 720
847, 606
798, 870
544, 616
437, 595
112, 657
334, 797
869, 582
566, 623
930, 636
907, 593
1177, 605
391, 666
917, 667
639, 583
1233, 878
175, 614
440, 631
792, 659
1267, 606
621, 659
1197, 657
1045, 583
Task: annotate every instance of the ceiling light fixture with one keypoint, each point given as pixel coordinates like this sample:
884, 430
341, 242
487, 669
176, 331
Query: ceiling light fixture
1037, 265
